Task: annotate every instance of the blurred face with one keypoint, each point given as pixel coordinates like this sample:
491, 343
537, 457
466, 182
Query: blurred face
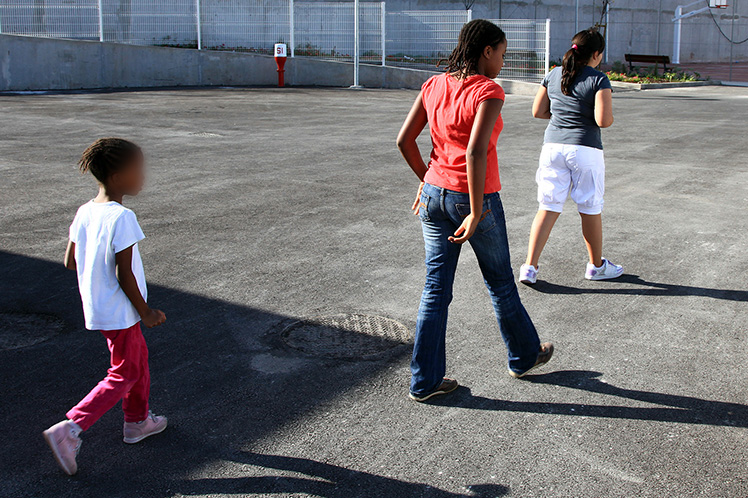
494, 59
131, 177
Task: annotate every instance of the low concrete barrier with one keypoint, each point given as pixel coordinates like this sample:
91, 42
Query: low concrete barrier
28, 64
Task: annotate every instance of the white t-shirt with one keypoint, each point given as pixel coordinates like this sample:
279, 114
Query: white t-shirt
99, 231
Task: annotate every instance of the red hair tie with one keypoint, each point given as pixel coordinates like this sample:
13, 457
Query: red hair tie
574, 46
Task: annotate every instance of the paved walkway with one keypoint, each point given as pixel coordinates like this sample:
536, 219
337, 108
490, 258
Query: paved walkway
264, 205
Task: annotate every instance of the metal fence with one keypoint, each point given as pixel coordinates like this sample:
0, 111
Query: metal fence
326, 29
528, 47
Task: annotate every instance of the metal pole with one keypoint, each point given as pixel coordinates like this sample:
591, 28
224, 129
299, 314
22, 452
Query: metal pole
659, 19
576, 19
101, 23
607, 30
356, 12
732, 35
470, 15
384, 34
547, 46
676, 35
199, 25
292, 29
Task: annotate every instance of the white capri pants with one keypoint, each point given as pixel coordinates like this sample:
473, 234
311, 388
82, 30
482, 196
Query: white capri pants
571, 168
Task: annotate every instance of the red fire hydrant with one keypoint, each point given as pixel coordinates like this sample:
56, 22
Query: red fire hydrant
280, 61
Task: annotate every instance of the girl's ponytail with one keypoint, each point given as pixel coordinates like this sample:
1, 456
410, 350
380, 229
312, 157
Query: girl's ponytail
583, 47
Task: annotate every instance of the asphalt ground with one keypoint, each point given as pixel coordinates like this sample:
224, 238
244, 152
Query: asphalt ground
264, 206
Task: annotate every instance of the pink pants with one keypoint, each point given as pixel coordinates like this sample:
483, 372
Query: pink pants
128, 379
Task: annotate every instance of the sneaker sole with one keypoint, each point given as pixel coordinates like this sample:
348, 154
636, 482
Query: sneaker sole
535, 367
56, 452
133, 440
428, 397
604, 278
527, 281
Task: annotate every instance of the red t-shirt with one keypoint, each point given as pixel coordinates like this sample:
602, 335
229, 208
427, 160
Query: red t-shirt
452, 105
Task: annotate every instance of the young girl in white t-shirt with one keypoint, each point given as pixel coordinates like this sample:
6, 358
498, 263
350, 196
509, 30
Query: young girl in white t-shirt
103, 249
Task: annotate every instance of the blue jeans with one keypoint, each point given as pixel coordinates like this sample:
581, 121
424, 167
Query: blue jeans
441, 213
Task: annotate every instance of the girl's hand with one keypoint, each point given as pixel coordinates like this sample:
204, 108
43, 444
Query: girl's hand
153, 318
466, 230
417, 204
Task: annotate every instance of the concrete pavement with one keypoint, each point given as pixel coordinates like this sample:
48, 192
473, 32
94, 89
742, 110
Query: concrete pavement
265, 206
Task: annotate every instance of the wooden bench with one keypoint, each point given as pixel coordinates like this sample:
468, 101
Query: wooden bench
648, 59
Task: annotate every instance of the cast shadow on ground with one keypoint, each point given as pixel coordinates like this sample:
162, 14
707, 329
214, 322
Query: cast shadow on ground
652, 289
324, 480
673, 408
217, 370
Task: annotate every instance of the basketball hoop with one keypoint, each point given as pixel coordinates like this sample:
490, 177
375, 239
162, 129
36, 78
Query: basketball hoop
681, 13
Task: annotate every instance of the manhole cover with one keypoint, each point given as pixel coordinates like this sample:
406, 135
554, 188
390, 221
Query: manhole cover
345, 336
18, 330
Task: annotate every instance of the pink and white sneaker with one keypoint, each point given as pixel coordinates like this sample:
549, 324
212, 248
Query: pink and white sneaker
65, 444
605, 272
528, 274
134, 432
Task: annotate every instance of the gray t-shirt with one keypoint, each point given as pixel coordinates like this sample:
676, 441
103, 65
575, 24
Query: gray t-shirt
573, 116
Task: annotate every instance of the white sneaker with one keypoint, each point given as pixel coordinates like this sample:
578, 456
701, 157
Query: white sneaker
65, 444
528, 274
134, 432
605, 272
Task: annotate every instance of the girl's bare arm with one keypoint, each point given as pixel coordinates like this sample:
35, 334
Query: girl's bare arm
541, 108
604, 108
406, 139
123, 267
70, 256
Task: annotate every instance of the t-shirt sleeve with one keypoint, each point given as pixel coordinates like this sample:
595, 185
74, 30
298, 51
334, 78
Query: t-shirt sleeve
73, 231
546, 80
603, 82
126, 232
491, 91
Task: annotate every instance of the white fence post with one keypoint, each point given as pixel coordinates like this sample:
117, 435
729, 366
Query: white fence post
384, 34
676, 35
198, 20
291, 24
547, 46
101, 23
356, 45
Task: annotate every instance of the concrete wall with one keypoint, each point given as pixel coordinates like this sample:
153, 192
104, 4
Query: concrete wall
28, 63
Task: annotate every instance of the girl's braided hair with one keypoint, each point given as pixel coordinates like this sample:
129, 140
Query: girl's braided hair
475, 36
107, 155
583, 47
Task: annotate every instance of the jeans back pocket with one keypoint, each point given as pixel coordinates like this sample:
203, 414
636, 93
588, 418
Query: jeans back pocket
423, 207
487, 218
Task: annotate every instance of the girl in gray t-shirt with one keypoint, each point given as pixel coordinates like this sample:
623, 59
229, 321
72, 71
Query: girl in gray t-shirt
577, 99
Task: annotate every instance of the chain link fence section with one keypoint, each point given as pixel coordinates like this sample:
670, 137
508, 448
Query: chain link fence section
324, 30
244, 25
528, 48
169, 23
51, 19
420, 39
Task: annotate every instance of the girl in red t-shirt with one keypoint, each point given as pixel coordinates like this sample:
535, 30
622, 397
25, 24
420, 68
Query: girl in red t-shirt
458, 201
